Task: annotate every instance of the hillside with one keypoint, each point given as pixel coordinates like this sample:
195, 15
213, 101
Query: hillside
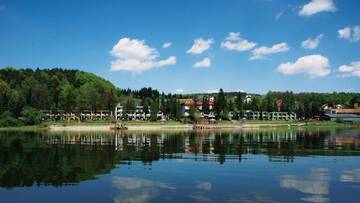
67, 90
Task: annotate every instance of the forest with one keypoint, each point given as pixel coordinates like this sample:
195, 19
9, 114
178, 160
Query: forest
25, 92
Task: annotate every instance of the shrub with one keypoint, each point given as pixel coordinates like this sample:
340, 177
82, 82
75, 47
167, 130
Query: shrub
30, 116
7, 120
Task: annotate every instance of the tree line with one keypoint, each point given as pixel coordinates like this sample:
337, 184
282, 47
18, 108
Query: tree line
25, 92
305, 105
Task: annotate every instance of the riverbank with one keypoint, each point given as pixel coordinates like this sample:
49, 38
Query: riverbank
173, 125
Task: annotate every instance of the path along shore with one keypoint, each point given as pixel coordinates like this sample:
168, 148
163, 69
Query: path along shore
162, 127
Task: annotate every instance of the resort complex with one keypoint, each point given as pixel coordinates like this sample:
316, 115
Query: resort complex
186, 105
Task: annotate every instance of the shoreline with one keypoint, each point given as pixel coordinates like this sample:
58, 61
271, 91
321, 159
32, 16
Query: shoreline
182, 127
152, 126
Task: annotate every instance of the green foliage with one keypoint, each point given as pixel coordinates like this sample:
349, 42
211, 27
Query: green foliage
154, 110
67, 96
54, 89
220, 104
205, 105
239, 101
7, 120
72, 90
30, 116
4, 95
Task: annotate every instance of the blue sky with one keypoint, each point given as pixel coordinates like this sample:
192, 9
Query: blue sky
250, 45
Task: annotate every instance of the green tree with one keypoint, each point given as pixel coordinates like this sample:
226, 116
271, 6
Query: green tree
4, 94
16, 102
30, 116
205, 105
239, 101
66, 96
154, 110
220, 104
7, 120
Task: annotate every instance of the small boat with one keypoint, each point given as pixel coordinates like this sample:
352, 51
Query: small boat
118, 127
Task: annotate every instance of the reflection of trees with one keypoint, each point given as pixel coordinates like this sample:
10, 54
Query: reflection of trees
25, 160
59, 159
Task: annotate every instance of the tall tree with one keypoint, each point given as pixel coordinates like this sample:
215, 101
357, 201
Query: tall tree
154, 110
220, 103
205, 105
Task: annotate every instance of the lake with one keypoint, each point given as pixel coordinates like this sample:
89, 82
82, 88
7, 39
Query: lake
284, 165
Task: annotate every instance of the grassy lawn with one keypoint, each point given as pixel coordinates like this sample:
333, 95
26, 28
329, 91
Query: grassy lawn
24, 128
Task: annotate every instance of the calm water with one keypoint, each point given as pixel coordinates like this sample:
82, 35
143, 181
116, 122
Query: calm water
247, 166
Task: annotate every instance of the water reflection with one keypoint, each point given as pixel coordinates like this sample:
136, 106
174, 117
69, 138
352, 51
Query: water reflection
29, 159
315, 185
137, 190
352, 175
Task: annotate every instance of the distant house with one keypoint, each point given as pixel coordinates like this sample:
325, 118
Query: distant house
342, 114
248, 99
60, 115
96, 115
119, 112
186, 104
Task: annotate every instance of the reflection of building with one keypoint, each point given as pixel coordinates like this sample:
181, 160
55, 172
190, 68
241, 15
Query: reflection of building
264, 115
278, 145
342, 114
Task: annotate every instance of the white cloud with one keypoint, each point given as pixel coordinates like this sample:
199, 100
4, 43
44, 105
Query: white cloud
167, 45
348, 71
317, 6
206, 62
179, 91
313, 65
135, 56
260, 52
236, 43
350, 33
312, 43
200, 45
279, 14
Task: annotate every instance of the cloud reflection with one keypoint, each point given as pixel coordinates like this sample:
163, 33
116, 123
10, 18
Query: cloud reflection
316, 184
202, 185
137, 190
350, 176
251, 198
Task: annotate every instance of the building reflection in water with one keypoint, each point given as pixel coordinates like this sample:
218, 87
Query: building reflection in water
279, 145
67, 158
